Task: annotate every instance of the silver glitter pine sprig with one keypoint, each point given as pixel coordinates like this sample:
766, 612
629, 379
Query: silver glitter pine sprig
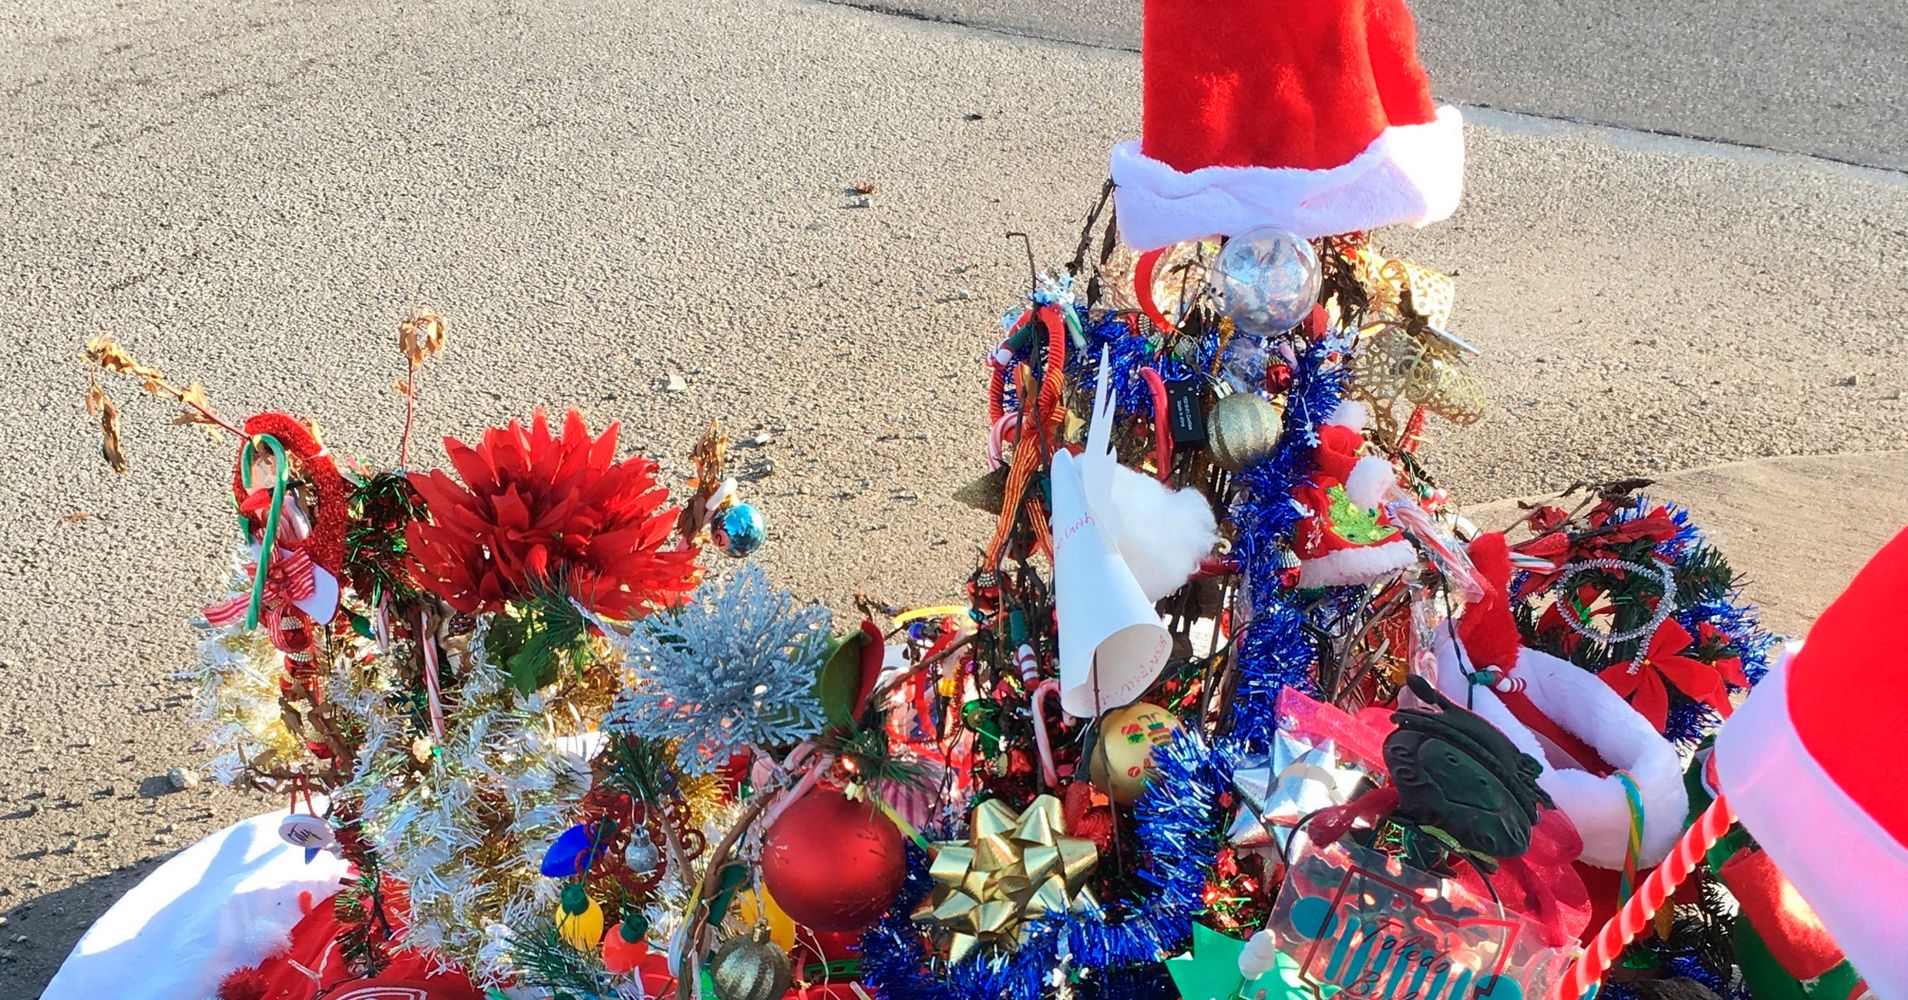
733, 667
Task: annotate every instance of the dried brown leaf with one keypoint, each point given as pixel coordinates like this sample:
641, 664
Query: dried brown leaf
862, 187
197, 412
80, 515
421, 336
95, 400
109, 436
104, 351
403, 387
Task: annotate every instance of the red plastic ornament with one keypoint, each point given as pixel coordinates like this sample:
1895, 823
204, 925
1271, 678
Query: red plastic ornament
833, 864
620, 952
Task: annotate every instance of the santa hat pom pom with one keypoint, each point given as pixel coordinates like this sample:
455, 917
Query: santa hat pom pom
1370, 479
263, 939
1349, 413
248, 983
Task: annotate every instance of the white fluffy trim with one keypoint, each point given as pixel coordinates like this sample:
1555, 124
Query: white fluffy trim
1360, 565
1163, 532
1349, 413
1851, 872
1371, 478
1409, 173
1576, 700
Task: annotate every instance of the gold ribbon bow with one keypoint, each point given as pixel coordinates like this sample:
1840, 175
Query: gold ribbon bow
1012, 870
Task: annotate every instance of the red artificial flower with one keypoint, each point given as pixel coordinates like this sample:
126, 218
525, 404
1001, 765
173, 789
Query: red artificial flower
1607, 532
1728, 667
1641, 681
536, 511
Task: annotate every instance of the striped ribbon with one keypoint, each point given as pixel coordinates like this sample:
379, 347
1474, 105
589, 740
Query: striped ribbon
1634, 796
288, 581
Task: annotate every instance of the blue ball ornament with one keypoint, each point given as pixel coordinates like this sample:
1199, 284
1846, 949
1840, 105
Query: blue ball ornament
739, 530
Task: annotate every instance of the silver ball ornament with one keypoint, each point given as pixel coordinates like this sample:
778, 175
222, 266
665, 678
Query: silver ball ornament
1267, 280
642, 855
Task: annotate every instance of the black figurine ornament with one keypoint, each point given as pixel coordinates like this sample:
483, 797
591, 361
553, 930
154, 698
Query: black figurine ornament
1464, 785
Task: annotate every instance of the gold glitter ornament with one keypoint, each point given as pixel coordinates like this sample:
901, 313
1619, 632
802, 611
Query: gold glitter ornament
750, 968
1405, 352
1242, 429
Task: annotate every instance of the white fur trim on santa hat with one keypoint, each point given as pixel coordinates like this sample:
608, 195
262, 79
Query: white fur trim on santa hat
1409, 173
1576, 700
1371, 478
1851, 872
1357, 565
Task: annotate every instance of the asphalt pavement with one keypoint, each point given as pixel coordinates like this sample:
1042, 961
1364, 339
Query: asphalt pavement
1822, 77
646, 211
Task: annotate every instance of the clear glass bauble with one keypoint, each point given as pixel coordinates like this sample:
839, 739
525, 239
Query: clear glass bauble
1267, 280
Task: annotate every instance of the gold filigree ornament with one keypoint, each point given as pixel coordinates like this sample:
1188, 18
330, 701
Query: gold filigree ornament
1405, 353
1012, 870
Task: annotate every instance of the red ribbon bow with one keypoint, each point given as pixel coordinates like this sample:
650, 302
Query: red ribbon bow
291, 578
1641, 681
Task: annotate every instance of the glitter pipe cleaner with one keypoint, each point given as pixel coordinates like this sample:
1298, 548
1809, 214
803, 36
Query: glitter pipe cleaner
1650, 896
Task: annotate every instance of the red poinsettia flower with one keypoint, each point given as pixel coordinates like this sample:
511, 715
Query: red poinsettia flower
1607, 533
536, 511
1729, 668
1642, 681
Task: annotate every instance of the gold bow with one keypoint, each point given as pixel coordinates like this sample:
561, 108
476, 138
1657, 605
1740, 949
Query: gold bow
1012, 870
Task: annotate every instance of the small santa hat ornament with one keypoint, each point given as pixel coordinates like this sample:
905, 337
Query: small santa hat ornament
1345, 536
1310, 115
1813, 766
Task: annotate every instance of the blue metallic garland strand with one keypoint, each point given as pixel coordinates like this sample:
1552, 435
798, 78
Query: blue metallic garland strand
1179, 840
1127, 353
1274, 651
1179, 819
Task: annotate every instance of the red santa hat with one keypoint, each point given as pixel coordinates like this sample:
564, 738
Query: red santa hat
1814, 767
1313, 116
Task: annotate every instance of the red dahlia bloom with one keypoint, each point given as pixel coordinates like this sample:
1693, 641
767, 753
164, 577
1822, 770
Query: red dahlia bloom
534, 509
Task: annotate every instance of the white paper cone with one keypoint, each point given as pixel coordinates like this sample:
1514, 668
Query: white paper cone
1111, 642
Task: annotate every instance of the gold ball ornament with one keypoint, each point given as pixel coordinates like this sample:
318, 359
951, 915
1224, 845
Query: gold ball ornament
1242, 429
750, 968
1122, 756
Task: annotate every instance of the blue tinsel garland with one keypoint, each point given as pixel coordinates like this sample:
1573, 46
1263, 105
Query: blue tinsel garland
1127, 353
1179, 819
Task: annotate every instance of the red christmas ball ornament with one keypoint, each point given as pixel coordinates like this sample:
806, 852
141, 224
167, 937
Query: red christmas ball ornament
833, 864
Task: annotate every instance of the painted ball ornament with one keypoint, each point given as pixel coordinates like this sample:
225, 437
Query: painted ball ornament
739, 530
750, 968
1122, 754
1242, 430
833, 864
1267, 280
